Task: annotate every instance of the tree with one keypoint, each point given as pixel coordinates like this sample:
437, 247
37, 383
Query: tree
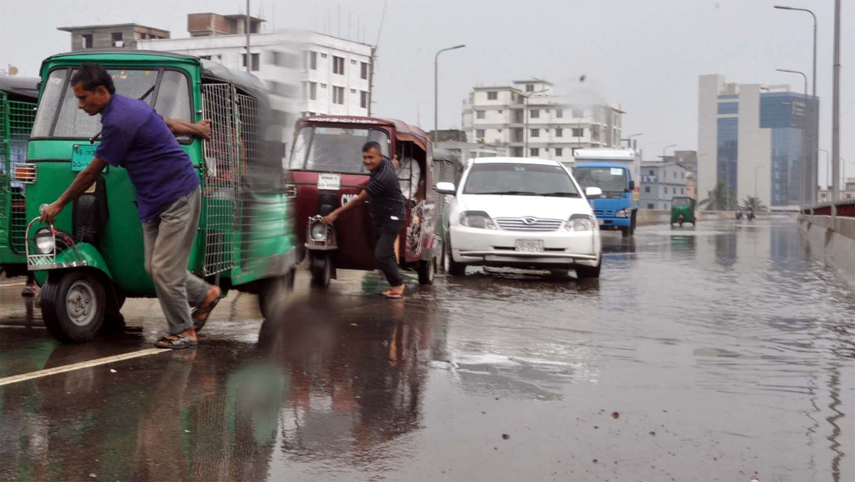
755, 203
722, 198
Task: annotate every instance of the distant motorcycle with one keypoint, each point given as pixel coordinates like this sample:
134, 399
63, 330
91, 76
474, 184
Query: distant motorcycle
738, 214
750, 214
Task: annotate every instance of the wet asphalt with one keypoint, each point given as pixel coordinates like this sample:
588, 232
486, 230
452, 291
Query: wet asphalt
719, 352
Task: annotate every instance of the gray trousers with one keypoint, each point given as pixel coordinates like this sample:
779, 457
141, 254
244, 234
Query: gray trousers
168, 243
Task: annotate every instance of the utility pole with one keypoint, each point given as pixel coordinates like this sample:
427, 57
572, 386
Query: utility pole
248, 28
835, 115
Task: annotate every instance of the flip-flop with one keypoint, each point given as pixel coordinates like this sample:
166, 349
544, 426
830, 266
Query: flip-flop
205, 310
393, 295
180, 342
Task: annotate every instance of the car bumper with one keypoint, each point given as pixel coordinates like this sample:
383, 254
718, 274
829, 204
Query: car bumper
611, 223
561, 248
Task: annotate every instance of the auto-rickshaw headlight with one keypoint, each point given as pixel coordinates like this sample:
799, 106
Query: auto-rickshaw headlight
319, 232
45, 241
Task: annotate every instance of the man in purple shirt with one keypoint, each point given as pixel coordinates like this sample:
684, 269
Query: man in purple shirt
137, 139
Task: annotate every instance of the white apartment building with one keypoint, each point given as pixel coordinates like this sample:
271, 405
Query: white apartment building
314, 73
527, 119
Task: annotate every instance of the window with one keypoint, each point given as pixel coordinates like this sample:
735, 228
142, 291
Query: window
352, 91
313, 90
363, 99
323, 56
559, 113
323, 86
529, 88
492, 95
338, 65
479, 114
518, 151
205, 57
578, 132
338, 95
117, 39
535, 132
666, 190
534, 114
559, 152
682, 191
313, 60
500, 111
559, 132
646, 188
255, 62
534, 151
86, 40
649, 206
330, 149
479, 133
728, 108
578, 112
352, 62
682, 175
535, 179
518, 116
651, 172
363, 70
675, 174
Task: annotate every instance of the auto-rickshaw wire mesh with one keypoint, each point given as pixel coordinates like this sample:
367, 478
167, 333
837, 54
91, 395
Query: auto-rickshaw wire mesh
222, 152
16, 123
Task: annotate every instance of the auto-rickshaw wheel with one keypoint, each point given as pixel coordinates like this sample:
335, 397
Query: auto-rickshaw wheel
73, 306
320, 265
427, 270
274, 294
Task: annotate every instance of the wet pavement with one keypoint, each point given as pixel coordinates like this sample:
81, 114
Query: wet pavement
716, 353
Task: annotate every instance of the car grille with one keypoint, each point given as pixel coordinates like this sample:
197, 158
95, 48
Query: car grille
529, 224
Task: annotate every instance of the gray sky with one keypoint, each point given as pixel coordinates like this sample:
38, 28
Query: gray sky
644, 54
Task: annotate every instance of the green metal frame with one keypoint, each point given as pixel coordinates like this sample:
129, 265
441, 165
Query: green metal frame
16, 122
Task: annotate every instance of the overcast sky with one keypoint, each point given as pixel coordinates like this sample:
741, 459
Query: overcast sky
644, 55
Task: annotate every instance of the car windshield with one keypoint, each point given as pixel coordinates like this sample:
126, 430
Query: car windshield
172, 101
520, 179
684, 201
334, 149
612, 180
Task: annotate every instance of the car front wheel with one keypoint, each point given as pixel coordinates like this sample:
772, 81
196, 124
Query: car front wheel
589, 272
448, 264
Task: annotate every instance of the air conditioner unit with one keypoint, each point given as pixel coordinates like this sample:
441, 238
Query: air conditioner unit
119, 43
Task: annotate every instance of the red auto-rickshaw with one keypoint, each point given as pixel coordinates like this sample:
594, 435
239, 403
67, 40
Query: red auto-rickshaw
326, 172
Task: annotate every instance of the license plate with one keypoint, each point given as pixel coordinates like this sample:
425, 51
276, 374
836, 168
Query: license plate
530, 245
329, 182
81, 156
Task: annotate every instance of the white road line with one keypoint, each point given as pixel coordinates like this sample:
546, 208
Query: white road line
12, 284
78, 366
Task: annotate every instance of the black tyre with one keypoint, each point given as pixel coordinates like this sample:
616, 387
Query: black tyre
448, 264
274, 293
625, 232
427, 270
320, 265
588, 272
73, 306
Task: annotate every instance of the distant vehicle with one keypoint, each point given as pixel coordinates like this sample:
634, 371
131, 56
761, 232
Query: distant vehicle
738, 213
750, 214
613, 171
682, 210
527, 213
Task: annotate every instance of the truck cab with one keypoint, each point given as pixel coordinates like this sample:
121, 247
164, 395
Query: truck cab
616, 208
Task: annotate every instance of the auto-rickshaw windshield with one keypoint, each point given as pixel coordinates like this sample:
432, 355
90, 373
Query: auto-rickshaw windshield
170, 100
681, 201
334, 149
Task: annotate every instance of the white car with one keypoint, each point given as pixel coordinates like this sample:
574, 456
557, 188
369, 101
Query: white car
516, 212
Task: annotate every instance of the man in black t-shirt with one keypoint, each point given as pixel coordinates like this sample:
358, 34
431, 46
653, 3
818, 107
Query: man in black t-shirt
387, 214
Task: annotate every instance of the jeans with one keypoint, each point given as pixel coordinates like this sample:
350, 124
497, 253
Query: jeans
168, 242
386, 231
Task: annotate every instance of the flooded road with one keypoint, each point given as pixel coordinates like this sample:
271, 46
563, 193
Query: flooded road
716, 353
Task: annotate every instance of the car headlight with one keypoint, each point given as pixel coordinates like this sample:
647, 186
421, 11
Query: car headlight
622, 214
45, 241
319, 232
476, 219
580, 222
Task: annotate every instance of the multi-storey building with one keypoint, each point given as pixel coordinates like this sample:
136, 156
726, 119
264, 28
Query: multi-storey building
661, 181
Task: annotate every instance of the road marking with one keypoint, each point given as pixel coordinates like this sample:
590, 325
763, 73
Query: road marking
78, 366
12, 284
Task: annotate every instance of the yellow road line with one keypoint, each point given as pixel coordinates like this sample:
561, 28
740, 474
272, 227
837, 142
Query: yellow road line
78, 366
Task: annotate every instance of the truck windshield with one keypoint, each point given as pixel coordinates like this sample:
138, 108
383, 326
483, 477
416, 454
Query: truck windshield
334, 149
612, 180
520, 179
173, 101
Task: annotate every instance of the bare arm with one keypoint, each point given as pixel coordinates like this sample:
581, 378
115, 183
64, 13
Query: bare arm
183, 128
361, 198
80, 184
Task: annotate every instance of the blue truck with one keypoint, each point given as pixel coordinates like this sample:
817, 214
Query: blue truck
617, 207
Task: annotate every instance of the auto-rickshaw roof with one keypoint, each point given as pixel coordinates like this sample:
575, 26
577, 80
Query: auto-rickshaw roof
22, 86
210, 70
404, 131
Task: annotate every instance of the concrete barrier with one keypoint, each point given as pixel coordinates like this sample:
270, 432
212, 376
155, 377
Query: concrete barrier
831, 240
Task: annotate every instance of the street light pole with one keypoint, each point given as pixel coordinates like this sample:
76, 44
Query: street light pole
627, 138
666, 147
814, 114
827, 168
835, 113
803, 183
436, 90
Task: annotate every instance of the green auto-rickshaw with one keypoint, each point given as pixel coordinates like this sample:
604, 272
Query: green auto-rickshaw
17, 112
682, 210
91, 259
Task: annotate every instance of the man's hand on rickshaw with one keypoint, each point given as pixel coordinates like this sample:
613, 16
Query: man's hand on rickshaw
183, 128
204, 127
50, 211
331, 217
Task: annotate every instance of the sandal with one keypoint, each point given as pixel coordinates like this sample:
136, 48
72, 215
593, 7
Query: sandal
204, 310
392, 294
175, 342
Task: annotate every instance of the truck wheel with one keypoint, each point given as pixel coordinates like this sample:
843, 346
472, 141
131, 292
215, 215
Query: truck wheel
448, 264
73, 306
320, 265
274, 294
588, 272
625, 232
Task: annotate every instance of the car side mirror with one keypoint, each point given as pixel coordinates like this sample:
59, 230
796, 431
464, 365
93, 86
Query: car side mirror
632, 185
445, 188
593, 192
